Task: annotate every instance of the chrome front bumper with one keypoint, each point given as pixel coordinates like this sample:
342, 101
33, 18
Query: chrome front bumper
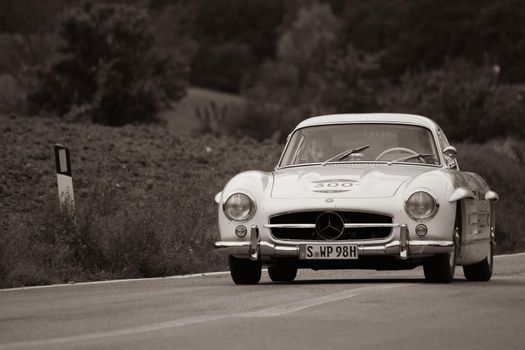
403, 247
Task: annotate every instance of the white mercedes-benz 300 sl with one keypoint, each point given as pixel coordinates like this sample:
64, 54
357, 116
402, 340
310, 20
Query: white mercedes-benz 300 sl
368, 191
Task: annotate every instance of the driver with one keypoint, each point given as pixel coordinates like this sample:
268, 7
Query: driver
318, 151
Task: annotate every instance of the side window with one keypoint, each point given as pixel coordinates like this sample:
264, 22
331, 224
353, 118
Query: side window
443, 143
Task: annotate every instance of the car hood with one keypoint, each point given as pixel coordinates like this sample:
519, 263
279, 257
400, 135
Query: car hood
343, 181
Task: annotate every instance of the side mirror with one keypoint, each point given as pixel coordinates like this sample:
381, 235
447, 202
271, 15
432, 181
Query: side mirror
491, 196
450, 151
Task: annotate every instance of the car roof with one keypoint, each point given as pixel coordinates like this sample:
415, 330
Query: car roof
394, 118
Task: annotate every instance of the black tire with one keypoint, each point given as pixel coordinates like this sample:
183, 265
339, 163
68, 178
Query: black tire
438, 269
282, 273
482, 271
245, 271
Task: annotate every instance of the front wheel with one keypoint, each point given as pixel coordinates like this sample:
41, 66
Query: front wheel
282, 273
245, 271
481, 271
440, 268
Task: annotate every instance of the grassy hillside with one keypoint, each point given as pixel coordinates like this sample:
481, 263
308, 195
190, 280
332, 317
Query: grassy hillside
144, 197
184, 117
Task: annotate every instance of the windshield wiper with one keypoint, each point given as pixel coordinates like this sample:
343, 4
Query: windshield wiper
420, 156
345, 154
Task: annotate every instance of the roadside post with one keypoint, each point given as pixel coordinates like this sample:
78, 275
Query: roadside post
64, 177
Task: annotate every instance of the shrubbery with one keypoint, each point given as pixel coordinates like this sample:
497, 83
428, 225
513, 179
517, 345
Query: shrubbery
498, 165
143, 195
466, 101
18, 55
312, 74
144, 199
105, 237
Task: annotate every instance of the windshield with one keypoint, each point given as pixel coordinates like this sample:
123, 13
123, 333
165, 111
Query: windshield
387, 143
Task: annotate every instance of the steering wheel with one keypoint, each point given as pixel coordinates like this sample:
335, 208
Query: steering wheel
397, 149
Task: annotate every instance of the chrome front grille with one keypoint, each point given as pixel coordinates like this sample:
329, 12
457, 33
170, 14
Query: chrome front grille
358, 226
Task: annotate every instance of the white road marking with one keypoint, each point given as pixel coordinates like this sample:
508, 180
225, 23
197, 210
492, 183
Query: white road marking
272, 311
177, 277
289, 308
508, 255
512, 277
115, 333
205, 274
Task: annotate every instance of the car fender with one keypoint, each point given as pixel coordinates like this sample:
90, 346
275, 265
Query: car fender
257, 185
439, 185
472, 194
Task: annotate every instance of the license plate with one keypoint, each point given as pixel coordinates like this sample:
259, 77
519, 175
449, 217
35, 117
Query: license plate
328, 251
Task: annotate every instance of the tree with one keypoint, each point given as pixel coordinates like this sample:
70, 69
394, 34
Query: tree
465, 101
29, 16
433, 31
234, 37
313, 74
107, 66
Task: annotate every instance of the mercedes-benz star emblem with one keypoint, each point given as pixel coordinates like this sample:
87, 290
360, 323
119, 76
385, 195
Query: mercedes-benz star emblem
329, 225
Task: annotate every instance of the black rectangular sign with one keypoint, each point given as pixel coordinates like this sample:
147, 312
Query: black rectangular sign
63, 164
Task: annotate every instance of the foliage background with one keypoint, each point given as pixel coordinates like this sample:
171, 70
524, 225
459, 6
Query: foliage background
201, 90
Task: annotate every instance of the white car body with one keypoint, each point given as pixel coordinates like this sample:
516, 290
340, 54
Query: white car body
349, 191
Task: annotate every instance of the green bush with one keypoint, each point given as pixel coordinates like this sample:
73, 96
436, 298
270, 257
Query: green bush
144, 199
143, 196
107, 68
504, 174
221, 66
464, 100
18, 54
311, 75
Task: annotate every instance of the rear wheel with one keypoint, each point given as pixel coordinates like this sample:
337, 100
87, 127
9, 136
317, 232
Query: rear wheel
282, 273
245, 271
481, 271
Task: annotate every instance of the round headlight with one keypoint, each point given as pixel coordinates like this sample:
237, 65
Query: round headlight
421, 206
239, 207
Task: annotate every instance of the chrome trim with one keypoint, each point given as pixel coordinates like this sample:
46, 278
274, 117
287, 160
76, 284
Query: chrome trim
363, 241
460, 193
404, 247
289, 225
250, 196
371, 225
339, 210
491, 196
451, 150
421, 243
254, 243
415, 248
346, 225
432, 214
403, 244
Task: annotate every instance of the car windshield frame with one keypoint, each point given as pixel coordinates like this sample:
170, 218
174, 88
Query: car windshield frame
435, 146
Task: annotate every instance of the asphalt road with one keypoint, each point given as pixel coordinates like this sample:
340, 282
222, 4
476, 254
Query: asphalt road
320, 310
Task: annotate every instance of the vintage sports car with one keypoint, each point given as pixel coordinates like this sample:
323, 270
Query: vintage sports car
368, 191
